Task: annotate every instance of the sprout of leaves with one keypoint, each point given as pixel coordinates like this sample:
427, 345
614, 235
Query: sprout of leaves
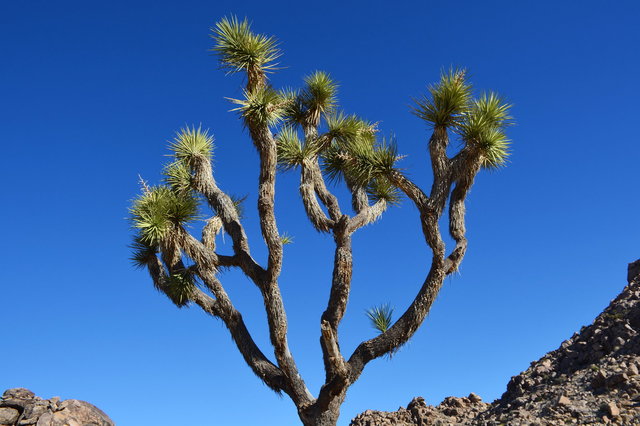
290, 152
483, 129
178, 176
447, 101
159, 211
494, 146
493, 109
239, 48
381, 189
380, 317
143, 252
345, 129
179, 288
319, 95
191, 143
333, 163
262, 106
362, 162
285, 239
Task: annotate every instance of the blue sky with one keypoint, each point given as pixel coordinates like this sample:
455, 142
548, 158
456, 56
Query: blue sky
92, 91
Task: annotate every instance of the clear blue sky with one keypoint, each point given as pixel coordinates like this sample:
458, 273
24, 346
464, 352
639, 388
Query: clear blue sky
91, 91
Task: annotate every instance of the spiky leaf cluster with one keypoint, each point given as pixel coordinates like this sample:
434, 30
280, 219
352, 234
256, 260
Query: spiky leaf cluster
290, 150
483, 128
359, 162
380, 317
316, 100
350, 129
179, 287
381, 189
143, 252
157, 212
239, 48
319, 95
191, 143
262, 105
448, 100
286, 239
178, 176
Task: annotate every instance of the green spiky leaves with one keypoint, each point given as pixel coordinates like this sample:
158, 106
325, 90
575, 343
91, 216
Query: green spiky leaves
483, 128
239, 48
178, 176
349, 129
290, 151
159, 210
380, 317
479, 122
143, 252
190, 143
381, 189
179, 287
448, 100
316, 100
319, 96
286, 239
360, 162
262, 106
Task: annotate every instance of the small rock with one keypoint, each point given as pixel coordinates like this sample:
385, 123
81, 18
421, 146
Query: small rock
632, 370
619, 341
474, 398
613, 409
599, 379
616, 379
563, 400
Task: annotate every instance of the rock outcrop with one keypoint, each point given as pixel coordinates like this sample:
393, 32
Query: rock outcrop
20, 406
592, 378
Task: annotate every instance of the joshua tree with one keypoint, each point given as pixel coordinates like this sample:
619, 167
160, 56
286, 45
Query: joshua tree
304, 130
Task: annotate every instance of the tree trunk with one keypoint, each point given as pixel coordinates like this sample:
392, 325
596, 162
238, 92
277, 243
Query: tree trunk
314, 416
326, 418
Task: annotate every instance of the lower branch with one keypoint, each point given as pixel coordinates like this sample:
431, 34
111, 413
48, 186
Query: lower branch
338, 298
270, 374
404, 328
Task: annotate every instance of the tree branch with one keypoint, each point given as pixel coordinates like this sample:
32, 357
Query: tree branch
367, 215
268, 284
222, 204
222, 308
307, 191
465, 177
410, 189
441, 166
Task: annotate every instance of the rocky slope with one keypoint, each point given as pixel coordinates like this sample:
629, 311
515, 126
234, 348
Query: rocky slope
22, 407
592, 378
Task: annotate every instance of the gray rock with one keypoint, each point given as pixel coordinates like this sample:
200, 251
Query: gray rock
613, 409
8, 416
563, 400
22, 406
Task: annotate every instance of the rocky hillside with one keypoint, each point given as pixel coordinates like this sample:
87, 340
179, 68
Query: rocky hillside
592, 378
20, 406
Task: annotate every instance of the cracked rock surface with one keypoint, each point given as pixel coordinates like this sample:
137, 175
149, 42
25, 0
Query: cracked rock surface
20, 406
592, 378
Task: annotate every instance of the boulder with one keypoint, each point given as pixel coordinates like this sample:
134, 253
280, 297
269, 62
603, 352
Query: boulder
20, 406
